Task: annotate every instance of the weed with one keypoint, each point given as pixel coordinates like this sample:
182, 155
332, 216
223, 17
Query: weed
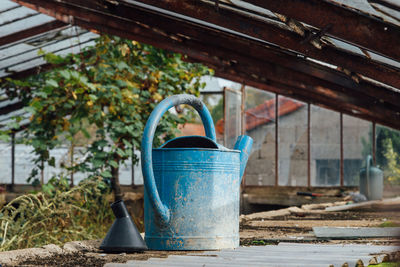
57, 214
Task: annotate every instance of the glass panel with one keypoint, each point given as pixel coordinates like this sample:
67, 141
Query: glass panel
388, 153
357, 145
125, 172
292, 141
233, 118
215, 104
5, 163
325, 147
138, 176
260, 125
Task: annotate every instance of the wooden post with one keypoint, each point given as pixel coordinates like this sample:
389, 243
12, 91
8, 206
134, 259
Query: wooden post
243, 120
341, 151
276, 140
309, 145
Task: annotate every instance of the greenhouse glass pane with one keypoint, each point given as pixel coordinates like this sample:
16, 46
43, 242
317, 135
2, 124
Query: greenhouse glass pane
292, 142
260, 125
388, 153
356, 146
325, 147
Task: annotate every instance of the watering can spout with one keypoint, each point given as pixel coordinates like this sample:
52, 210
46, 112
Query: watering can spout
244, 144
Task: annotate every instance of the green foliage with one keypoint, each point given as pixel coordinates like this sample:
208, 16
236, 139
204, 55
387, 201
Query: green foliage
217, 112
387, 152
110, 89
384, 133
57, 215
389, 224
386, 264
392, 168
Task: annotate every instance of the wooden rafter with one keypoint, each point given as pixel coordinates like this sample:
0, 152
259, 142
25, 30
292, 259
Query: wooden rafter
29, 32
235, 57
342, 22
228, 18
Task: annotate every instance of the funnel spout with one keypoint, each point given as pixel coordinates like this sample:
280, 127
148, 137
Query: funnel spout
244, 144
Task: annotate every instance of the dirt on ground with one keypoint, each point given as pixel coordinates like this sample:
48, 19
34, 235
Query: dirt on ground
295, 227
298, 228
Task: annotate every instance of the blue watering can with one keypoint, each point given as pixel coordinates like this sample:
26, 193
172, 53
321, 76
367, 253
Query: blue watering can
192, 185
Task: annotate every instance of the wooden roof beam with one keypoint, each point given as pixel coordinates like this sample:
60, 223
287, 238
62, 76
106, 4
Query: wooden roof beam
10, 108
253, 27
33, 31
172, 27
341, 22
224, 58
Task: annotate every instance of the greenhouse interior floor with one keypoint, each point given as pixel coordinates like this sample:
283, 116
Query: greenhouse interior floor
271, 235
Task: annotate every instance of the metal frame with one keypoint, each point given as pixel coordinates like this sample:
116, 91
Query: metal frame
341, 156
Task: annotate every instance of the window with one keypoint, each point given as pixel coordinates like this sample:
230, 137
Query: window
260, 125
325, 147
292, 142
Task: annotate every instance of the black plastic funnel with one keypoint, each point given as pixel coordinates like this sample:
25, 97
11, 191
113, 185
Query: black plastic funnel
123, 235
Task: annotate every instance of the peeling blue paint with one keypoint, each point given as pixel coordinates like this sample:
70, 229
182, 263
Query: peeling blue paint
191, 194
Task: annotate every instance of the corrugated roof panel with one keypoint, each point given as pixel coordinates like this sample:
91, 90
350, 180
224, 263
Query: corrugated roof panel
14, 50
24, 24
32, 63
367, 8
6, 117
7, 5
4, 103
53, 47
16, 14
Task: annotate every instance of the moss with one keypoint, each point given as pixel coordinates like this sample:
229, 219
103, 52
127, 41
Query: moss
386, 264
389, 224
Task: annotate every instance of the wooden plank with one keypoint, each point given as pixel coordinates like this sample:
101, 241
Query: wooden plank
355, 232
386, 204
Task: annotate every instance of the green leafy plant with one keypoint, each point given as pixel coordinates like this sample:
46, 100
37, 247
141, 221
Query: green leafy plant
58, 214
392, 169
101, 99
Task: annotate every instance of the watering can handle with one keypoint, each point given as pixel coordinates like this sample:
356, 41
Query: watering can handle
147, 144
